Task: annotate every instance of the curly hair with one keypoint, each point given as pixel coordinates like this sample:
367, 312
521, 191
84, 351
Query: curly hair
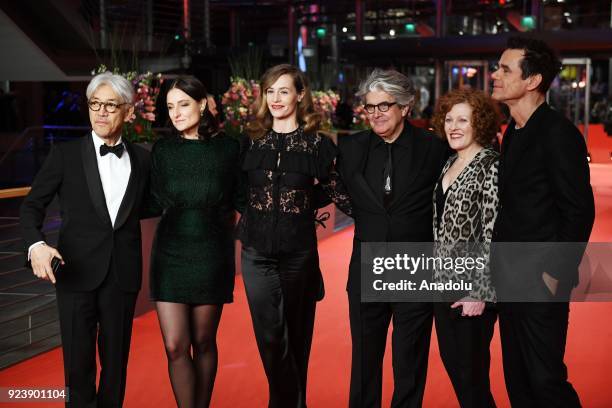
306, 114
486, 117
396, 84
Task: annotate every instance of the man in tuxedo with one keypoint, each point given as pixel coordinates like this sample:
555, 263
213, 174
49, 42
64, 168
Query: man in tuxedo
100, 181
545, 196
389, 173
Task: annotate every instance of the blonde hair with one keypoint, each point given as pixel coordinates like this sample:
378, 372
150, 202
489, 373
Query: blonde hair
306, 114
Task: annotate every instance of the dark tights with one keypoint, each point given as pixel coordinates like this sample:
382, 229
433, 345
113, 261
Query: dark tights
190, 338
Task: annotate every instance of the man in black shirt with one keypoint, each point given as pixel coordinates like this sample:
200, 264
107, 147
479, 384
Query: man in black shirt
389, 172
545, 196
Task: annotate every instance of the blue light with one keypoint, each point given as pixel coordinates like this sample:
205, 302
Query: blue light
301, 59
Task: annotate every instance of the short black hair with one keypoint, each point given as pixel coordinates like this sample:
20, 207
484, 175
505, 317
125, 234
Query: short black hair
539, 58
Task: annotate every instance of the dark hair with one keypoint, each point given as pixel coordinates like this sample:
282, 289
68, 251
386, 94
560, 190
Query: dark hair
486, 117
306, 114
208, 127
538, 58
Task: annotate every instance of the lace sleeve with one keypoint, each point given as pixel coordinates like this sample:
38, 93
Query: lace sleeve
330, 181
335, 189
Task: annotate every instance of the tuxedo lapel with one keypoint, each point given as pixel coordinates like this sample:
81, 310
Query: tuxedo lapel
94, 183
362, 148
408, 164
362, 185
132, 188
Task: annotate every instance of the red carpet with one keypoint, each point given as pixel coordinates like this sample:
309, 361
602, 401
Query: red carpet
241, 380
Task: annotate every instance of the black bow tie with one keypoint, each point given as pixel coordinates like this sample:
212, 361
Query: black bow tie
117, 150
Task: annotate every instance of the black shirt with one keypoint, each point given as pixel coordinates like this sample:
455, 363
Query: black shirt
377, 159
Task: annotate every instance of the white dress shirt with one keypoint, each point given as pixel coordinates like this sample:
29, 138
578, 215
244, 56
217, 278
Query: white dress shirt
114, 174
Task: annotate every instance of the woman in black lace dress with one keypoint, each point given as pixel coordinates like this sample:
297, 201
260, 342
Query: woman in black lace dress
280, 262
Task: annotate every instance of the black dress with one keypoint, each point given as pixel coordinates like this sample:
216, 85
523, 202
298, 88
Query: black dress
197, 185
280, 263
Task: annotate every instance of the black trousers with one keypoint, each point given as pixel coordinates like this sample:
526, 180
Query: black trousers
104, 314
464, 348
410, 341
282, 304
533, 339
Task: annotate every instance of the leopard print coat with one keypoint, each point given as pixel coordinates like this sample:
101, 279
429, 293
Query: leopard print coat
467, 221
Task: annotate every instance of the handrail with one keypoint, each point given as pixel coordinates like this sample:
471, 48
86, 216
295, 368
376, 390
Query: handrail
49, 232
23, 137
40, 308
22, 284
12, 271
14, 192
12, 350
29, 329
27, 299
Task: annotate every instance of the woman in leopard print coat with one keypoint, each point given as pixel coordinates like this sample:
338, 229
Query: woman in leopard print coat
465, 208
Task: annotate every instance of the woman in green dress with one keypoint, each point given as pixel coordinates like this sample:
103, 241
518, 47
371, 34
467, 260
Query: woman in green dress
195, 183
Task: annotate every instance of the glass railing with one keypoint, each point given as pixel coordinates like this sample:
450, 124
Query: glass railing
22, 155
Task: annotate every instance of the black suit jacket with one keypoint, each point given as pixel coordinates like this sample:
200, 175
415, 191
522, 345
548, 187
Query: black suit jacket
545, 195
408, 216
89, 244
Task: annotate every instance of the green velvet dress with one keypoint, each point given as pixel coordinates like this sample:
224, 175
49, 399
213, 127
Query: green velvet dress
197, 185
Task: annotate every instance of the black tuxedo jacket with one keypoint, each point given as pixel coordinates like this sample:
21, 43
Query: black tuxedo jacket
89, 244
408, 217
545, 194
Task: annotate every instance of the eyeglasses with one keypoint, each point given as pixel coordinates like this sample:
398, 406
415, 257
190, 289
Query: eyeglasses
382, 107
110, 107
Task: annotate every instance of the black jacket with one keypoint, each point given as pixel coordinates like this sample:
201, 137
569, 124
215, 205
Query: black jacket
408, 216
89, 244
545, 193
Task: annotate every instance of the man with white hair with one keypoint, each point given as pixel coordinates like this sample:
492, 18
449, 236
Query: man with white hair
389, 172
100, 181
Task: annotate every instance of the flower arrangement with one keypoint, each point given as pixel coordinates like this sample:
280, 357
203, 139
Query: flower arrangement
238, 103
360, 118
147, 87
325, 103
